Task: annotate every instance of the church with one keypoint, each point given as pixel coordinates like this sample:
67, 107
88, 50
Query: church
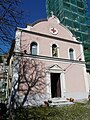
52, 62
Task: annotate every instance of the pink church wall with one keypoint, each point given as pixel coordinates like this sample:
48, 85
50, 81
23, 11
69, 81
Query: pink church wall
75, 81
45, 45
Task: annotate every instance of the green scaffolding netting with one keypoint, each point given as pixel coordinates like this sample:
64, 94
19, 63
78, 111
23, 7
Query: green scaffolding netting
74, 15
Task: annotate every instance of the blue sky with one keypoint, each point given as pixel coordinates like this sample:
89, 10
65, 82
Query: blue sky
34, 9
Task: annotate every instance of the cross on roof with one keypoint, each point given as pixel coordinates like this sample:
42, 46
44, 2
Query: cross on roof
52, 13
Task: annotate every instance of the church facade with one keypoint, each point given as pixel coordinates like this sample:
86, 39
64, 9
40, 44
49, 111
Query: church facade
50, 44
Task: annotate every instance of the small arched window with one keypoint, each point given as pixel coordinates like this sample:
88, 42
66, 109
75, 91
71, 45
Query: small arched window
54, 50
33, 48
71, 54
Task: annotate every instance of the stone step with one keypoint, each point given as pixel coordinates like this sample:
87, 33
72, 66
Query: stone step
59, 101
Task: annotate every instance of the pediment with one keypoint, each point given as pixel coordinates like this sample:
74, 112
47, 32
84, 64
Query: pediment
55, 67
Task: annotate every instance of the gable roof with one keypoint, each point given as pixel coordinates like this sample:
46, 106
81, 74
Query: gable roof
44, 26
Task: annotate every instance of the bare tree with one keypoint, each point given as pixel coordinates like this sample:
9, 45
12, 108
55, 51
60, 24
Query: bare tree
10, 16
28, 82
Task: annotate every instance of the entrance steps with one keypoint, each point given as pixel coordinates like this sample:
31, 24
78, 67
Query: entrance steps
59, 102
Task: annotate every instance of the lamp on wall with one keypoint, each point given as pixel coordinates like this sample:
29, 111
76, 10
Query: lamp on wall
25, 51
80, 59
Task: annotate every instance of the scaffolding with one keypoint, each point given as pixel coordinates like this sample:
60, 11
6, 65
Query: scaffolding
74, 15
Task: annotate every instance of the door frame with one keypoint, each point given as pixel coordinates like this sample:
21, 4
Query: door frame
55, 69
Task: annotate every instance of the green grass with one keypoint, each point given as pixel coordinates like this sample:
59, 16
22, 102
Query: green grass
78, 111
